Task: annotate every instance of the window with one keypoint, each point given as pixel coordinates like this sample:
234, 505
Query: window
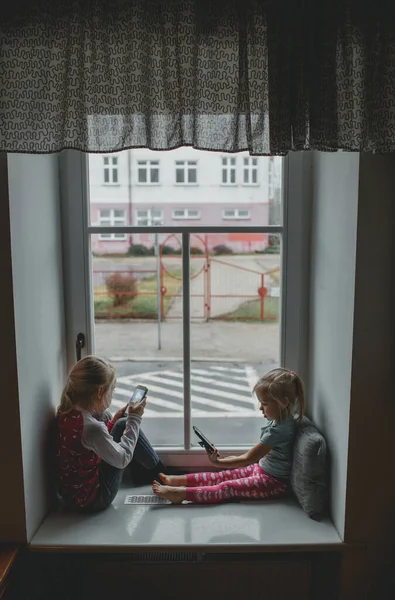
148, 172
250, 171
229, 171
110, 170
186, 172
150, 217
109, 217
236, 213
186, 213
197, 320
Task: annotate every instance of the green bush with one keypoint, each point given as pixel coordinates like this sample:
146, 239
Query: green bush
222, 249
169, 250
140, 250
122, 288
196, 251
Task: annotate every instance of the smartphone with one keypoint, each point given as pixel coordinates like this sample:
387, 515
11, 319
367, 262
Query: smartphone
139, 395
204, 442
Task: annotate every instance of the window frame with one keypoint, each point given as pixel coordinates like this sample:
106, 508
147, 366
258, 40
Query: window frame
111, 167
114, 222
250, 168
148, 217
228, 168
76, 232
150, 165
185, 166
236, 216
187, 216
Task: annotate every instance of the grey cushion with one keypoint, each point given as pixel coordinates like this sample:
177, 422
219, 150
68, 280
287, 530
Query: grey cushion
309, 478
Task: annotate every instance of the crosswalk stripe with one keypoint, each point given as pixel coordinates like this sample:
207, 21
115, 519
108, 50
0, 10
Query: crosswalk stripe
152, 400
147, 378
234, 369
201, 414
229, 377
212, 380
195, 399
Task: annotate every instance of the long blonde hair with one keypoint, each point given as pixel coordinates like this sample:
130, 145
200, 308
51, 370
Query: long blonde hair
279, 384
83, 383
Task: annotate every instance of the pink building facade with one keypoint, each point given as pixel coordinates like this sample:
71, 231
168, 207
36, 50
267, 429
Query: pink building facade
184, 187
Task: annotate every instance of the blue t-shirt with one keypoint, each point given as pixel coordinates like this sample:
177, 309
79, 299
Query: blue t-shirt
280, 436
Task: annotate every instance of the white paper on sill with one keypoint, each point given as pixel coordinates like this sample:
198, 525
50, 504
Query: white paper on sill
145, 499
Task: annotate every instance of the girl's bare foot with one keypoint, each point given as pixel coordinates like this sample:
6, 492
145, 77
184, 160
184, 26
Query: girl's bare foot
175, 494
173, 480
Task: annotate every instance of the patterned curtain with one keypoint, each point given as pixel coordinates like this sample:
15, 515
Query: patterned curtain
228, 75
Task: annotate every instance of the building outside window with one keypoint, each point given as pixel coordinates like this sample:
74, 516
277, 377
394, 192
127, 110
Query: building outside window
186, 172
110, 170
250, 171
150, 217
148, 172
186, 213
229, 171
110, 217
236, 213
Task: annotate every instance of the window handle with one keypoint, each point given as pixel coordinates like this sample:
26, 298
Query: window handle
79, 344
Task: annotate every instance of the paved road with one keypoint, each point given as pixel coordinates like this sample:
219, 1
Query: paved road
221, 400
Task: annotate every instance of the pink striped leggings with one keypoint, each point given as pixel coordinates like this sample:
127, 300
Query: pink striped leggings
248, 482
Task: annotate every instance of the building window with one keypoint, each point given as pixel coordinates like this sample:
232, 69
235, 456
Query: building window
148, 172
110, 170
186, 213
229, 171
150, 217
109, 217
186, 172
236, 213
250, 171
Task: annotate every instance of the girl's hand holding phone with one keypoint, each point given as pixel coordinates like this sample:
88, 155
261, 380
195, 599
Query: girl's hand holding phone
213, 458
137, 410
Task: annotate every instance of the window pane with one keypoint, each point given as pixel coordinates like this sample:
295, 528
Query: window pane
114, 160
106, 175
193, 213
106, 160
105, 223
156, 213
142, 213
125, 305
192, 175
254, 161
142, 175
209, 191
104, 213
244, 213
229, 213
115, 175
179, 213
230, 304
119, 214
105, 236
246, 161
180, 175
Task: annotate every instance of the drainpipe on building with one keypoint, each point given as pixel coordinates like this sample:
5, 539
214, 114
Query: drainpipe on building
130, 193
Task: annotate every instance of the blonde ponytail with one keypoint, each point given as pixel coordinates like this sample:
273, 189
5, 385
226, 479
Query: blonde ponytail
83, 383
282, 383
66, 404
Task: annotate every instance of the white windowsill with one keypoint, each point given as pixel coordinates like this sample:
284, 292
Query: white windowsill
254, 526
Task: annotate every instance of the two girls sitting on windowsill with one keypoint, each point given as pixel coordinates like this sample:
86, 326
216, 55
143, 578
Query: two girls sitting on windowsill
92, 455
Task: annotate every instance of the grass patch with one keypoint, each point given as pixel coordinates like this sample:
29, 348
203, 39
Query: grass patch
251, 311
144, 305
